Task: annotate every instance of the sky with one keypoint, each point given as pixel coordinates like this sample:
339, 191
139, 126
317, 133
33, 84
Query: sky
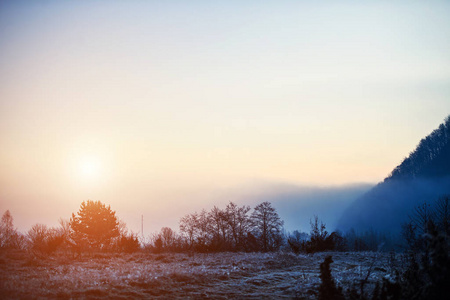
160, 108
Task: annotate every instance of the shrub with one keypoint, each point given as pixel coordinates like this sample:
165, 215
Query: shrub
321, 240
44, 240
328, 289
128, 243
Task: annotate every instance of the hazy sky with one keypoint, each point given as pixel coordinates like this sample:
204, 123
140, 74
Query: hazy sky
155, 106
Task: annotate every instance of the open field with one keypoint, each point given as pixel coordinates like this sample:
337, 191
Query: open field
218, 276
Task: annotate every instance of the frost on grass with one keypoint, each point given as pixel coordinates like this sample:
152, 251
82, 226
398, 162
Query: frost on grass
218, 275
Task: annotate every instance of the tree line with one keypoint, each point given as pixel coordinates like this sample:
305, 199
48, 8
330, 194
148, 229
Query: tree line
234, 228
95, 227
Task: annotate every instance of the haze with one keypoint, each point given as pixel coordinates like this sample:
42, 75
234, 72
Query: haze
160, 109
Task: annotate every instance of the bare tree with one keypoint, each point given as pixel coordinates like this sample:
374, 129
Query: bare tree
267, 226
239, 223
168, 237
421, 216
218, 228
188, 227
203, 236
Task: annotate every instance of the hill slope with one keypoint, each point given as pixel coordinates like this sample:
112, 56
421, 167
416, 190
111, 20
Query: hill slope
423, 176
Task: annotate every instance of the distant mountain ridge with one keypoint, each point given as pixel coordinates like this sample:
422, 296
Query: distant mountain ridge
423, 176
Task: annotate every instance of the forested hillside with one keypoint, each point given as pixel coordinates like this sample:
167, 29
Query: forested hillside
430, 159
423, 176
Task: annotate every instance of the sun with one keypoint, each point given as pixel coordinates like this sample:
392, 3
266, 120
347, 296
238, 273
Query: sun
90, 168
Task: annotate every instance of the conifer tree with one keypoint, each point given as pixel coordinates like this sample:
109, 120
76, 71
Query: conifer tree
94, 226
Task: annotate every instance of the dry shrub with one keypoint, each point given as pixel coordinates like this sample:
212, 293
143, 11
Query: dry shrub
128, 243
44, 240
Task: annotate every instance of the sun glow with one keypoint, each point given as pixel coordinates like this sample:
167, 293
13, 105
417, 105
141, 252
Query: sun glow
89, 168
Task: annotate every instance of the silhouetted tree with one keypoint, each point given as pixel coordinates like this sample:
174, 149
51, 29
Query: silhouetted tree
321, 240
203, 234
188, 227
9, 236
239, 223
218, 227
232, 228
415, 230
267, 226
94, 226
328, 289
318, 234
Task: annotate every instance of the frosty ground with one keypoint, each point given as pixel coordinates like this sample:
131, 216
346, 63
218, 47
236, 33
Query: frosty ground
177, 275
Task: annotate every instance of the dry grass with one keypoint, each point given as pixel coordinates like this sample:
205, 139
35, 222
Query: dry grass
141, 275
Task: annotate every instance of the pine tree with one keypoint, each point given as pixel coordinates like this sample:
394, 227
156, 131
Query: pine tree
94, 226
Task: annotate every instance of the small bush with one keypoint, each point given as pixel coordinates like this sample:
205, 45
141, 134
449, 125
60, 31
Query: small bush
295, 246
44, 240
328, 289
321, 240
128, 243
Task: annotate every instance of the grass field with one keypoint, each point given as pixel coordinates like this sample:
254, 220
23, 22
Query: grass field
194, 276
